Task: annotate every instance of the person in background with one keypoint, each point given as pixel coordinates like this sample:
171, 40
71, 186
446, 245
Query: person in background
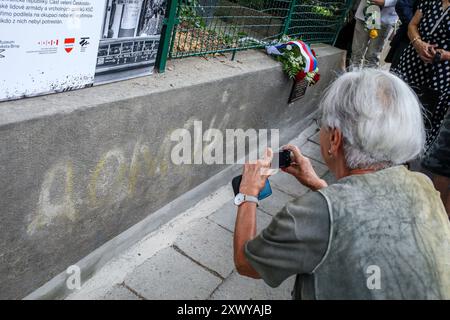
378, 217
437, 161
344, 38
405, 10
366, 51
425, 66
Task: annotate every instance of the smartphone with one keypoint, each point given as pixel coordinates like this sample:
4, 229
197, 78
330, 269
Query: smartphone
265, 192
284, 158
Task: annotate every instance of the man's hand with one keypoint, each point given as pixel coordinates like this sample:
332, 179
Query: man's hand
425, 50
378, 2
302, 169
255, 175
445, 55
253, 180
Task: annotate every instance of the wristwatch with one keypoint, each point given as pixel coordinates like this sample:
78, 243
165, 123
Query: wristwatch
241, 198
437, 57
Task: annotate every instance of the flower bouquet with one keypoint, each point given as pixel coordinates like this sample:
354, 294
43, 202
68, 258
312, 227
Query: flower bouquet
298, 60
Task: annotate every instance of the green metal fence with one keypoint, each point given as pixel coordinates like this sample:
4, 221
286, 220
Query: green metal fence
199, 27
318, 21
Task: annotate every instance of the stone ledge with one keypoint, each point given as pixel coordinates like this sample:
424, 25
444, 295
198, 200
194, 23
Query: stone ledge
187, 72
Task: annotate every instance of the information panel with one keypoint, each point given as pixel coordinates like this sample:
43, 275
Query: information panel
51, 46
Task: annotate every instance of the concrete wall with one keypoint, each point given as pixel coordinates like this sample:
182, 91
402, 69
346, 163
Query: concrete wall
77, 169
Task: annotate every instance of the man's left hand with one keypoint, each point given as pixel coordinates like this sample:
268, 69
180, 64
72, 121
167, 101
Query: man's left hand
255, 175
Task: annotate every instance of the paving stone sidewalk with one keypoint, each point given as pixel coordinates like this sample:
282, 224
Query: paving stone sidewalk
198, 264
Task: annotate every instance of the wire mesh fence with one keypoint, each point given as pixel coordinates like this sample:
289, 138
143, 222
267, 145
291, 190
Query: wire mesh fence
214, 26
208, 26
317, 21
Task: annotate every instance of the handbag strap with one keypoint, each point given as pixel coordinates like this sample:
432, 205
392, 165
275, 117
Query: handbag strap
439, 21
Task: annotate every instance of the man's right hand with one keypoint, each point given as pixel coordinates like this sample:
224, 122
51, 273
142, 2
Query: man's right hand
302, 169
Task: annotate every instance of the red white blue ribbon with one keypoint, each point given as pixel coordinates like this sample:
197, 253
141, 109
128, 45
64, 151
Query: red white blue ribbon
305, 51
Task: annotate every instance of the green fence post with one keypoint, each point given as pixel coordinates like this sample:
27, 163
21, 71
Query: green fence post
287, 22
166, 35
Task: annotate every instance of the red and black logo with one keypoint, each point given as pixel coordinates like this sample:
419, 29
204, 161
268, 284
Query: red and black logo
46, 43
68, 44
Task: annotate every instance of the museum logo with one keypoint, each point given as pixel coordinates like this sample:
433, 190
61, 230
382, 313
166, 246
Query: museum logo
46, 43
68, 44
84, 43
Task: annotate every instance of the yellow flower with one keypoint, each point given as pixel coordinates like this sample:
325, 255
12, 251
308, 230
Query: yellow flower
373, 33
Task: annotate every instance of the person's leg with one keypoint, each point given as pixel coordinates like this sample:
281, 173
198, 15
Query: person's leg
359, 44
344, 40
376, 46
442, 185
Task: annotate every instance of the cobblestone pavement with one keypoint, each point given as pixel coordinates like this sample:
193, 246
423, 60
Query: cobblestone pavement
191, 257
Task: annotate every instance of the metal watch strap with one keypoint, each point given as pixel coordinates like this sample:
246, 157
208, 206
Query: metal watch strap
248, 198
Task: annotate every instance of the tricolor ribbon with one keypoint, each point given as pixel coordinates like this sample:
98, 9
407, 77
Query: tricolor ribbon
305, 51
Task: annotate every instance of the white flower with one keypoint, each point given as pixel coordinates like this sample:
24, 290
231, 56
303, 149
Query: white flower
289, 47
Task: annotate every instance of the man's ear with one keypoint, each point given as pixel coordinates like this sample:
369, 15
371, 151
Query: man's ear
336, 141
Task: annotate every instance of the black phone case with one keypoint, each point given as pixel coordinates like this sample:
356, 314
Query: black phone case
236, 182
284, 159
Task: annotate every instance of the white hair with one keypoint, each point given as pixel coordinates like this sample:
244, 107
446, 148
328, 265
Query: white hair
379, 115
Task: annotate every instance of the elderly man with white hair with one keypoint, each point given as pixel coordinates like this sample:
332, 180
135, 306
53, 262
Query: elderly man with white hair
380, 231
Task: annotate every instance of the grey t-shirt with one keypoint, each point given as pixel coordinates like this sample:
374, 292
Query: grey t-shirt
294, 243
